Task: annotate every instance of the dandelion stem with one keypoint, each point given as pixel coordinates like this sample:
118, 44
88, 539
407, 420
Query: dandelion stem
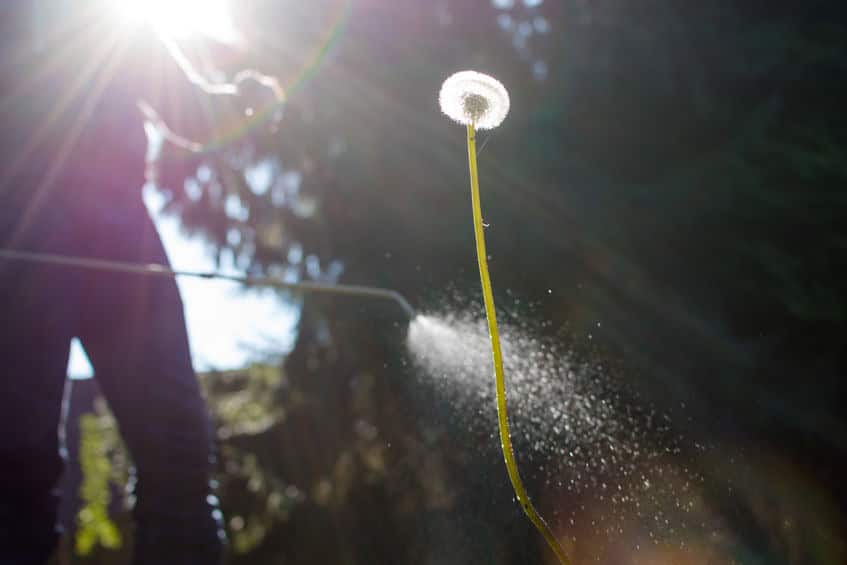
500, 383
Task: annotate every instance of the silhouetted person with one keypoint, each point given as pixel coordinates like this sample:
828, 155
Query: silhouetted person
72, 163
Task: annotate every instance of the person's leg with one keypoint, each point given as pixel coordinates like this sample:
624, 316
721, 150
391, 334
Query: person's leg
135, 335
38, 311
30, 464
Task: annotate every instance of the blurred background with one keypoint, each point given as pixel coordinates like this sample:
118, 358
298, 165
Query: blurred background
666, 207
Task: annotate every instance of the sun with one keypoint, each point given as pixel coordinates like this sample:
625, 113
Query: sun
179, 19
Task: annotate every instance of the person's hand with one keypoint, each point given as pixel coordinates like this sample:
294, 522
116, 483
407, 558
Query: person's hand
260, 93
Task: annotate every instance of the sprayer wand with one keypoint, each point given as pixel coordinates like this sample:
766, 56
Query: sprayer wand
155, 269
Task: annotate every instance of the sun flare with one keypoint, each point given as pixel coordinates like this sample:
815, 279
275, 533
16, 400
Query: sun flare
180, 19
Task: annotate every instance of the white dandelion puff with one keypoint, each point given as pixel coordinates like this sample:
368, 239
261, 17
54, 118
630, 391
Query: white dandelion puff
469, 97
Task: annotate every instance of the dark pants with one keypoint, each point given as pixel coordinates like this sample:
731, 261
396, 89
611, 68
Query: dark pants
133, 330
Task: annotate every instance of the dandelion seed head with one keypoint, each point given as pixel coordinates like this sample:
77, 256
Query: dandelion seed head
469, 97
475, 106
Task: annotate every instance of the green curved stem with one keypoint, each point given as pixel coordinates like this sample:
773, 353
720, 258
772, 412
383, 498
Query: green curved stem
500, 382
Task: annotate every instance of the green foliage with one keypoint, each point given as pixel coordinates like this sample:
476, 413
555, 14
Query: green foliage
246, 402
287, 454
95, 528
249, 404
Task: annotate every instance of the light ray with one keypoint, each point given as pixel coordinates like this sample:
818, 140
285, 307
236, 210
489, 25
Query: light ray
63, 103
64, 152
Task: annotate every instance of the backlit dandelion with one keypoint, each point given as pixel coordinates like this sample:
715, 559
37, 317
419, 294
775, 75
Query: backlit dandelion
480, 102
469, 97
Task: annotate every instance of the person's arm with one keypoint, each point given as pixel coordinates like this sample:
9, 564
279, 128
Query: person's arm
198, 80
187, 106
